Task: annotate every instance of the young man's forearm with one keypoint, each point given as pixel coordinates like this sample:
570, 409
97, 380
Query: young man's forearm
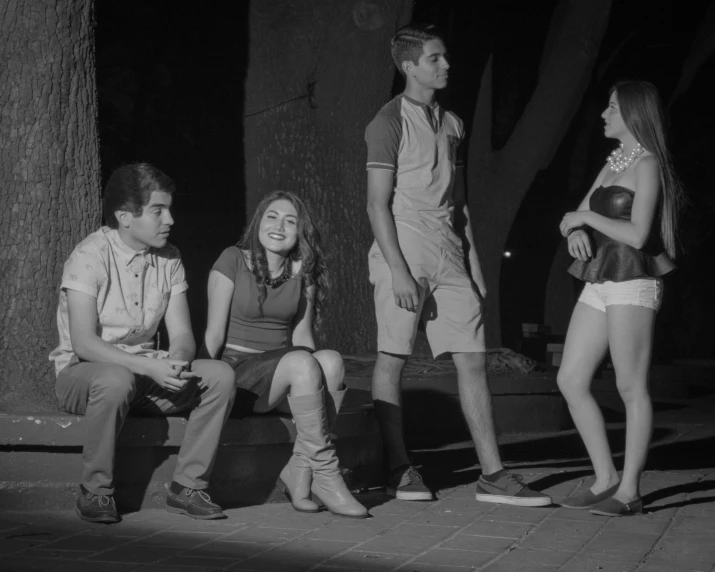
383, 227
183, 347
474, 264
95, 349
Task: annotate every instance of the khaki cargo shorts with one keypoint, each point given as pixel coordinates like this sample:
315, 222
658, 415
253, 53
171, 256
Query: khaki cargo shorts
449, 305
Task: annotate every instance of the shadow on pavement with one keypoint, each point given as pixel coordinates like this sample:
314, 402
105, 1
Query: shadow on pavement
689, 488
455, 467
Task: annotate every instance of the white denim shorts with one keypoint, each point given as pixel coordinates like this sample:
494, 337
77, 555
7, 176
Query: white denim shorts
646, 292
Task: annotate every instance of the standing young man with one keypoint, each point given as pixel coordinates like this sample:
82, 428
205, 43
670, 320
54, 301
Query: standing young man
117, 286
417, 264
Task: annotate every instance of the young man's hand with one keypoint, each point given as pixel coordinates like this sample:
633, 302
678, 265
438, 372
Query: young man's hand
481, 286
170, 374
406, 290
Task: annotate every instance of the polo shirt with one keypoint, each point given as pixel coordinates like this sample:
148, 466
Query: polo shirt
419, 144
132, 290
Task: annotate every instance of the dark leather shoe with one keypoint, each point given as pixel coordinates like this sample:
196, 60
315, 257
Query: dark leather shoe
587, 499
613, 507
192, 502
96, 508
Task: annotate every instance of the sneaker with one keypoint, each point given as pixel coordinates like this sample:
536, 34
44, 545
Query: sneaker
96, 508
509, 489
192, 502
405, 483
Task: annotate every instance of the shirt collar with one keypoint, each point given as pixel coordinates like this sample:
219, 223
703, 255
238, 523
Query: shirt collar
129, 254
434, 105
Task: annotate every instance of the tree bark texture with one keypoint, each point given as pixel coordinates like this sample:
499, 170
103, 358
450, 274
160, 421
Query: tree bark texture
50, 177
498, 179
319, 70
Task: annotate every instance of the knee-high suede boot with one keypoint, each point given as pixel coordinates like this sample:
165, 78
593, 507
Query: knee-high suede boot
333, 404
314, 443
297, 475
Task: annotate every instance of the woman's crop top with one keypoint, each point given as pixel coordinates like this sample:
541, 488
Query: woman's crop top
248, 326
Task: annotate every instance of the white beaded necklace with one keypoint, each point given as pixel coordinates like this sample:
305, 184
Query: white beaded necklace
618, 162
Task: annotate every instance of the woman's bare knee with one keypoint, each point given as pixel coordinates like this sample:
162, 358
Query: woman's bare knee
571, 383
331, 362
306, 374
632, 389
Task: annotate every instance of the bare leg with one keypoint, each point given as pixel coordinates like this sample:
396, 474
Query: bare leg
586, 344
630, 334
314, 464
293, 371
331, 362
298, 373
388, 407
476, 401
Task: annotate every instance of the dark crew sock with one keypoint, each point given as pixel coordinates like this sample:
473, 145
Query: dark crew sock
176, 488
494, 477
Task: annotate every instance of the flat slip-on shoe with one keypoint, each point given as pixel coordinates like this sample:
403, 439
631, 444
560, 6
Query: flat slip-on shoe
587, 499
613, 507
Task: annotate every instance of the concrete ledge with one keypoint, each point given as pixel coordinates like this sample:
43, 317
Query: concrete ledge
522, 403
40, 456
66, 430
675, 381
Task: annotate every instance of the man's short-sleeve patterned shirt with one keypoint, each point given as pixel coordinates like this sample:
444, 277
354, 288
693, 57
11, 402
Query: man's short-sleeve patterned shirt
419, 144
132, 291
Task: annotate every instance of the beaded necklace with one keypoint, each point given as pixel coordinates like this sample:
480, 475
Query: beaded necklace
618, 162
278, 280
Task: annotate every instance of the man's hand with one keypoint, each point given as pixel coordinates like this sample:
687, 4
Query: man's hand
170, 374
406, 290
579, 245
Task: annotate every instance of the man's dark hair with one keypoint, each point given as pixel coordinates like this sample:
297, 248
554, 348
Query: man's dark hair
408, 43
129, 188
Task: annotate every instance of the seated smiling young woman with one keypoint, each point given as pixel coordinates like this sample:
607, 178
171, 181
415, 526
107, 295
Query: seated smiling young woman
264, 295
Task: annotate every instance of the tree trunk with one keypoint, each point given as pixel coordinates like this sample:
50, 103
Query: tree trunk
499, 179
318, 72
49, 172
701, 50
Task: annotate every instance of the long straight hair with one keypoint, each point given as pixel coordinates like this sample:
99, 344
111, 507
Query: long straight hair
642, 111
308, 249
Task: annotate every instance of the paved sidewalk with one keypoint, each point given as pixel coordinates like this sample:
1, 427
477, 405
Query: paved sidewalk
455, 534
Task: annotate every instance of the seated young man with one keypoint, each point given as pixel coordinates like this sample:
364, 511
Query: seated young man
117, 286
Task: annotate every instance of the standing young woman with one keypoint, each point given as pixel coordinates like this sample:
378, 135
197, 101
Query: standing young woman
623, 237
263, 296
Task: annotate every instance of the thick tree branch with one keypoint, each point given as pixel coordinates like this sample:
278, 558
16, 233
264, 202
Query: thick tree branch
702, 48
562, 82
480, 142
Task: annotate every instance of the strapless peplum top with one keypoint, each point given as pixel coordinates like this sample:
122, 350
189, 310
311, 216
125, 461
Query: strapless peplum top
612, 260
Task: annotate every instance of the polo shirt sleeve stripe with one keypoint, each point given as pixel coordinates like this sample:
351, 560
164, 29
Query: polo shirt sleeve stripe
382, 136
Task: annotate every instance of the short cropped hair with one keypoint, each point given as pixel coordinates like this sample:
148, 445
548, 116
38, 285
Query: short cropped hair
129, 188
408, 43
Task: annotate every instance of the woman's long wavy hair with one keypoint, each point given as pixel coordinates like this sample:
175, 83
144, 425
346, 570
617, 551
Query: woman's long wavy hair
643, 114
308, 249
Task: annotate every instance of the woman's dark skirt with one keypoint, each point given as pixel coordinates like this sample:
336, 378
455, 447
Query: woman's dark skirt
254, 373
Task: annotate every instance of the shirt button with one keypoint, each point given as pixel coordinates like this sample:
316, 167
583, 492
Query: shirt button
136, 303
136, 276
